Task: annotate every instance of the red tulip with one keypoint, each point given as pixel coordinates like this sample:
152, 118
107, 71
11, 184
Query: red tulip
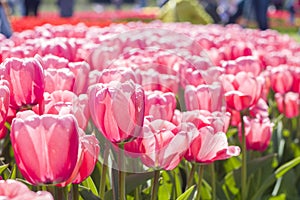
15, 190
59, 79
26, 80
160, 105
209, 146
241, 90
288, 104
117, 109
203, 97
45, 147
258, 133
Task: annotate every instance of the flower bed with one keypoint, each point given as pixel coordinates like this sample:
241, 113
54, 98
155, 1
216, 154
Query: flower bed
206, 112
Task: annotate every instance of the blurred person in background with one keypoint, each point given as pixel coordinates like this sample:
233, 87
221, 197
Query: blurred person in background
66, 8
261, 10
32, 7
118, 4
142, 3
5, 28
16, 7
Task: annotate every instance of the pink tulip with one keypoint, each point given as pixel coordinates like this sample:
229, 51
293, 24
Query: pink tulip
203, 97
86, 160
288, 104
120, 74
241, 90
15, 190
90, 152
55, 62
258, 133
66, 102
61, 47
4, 103
160, 105
296, 78
81, 71
59, 79
260, 110
117, 109
152, 80
163, 144
246, 63
196, 117
45, 147
209, 146
281, 79
26, 80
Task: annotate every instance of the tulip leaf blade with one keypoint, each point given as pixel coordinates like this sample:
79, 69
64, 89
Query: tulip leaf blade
282, 170
3, 168
132, 181
286, 167
13, 173
188, 194
89, 183
88, 194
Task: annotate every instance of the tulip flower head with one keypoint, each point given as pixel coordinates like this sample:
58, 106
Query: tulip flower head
12, 189
45, 147
117, 109
26, 81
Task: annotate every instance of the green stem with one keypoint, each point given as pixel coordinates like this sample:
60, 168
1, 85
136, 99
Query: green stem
58, 193
103, 173
137, 193
244, 161
75, 192
155, 185
66, 192
191, 176
298, 124
201, 170
122, 191
213, 181
7, 125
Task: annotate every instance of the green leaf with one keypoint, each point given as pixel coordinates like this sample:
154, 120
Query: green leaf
280, 197
286, 167
88, 194
13, 174
166, 187
3, 168
89, 183
272, 178
188, 194
132, 182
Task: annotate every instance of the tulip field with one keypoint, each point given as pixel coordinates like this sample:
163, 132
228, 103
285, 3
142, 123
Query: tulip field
152, 111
